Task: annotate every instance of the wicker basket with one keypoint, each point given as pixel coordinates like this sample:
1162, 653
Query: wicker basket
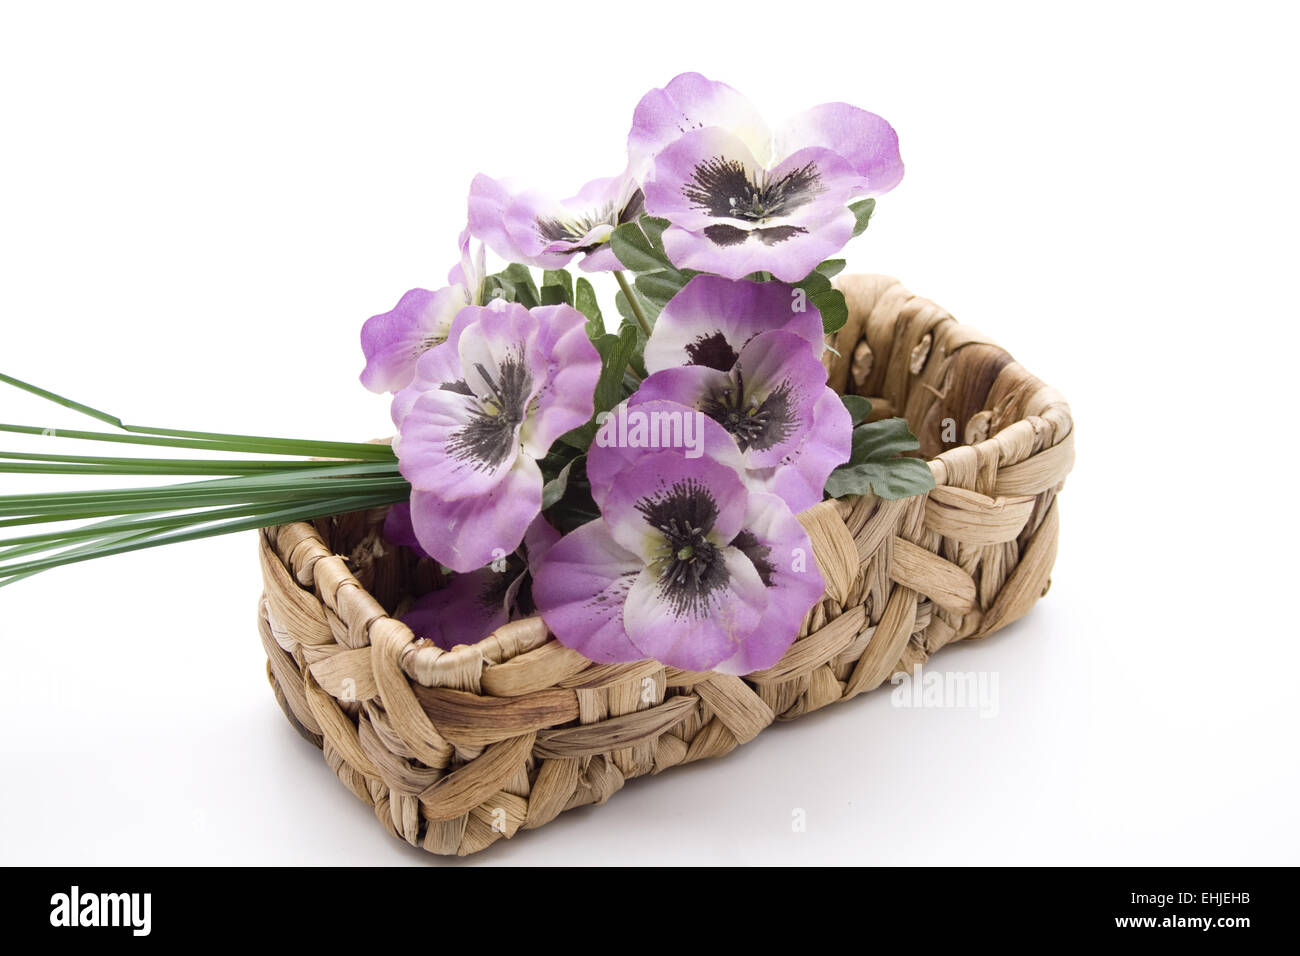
457, 749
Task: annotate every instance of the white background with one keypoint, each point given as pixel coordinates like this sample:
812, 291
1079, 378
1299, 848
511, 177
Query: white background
200, 204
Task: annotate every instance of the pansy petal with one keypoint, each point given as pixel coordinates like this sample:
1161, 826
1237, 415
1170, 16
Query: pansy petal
448, 444
473, 531
603, 199
666, 495
470, 271
601, 259
584, 222
467, 610
800, 478
689, 385
543, 230
399, 531
690, 101
780, 550
697, 629
459, 436
437, 367
645, 423
709, 321
540, 537
565, 399
527, 226
828, 182
865, 140
579, 587
489, 199
708, 176
394, 341
781, 383
766, 402
499, 357
596, 236
788, 252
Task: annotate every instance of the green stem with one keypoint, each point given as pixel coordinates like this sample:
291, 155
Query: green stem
133, 541
212, 441
133, 523
163, 499
251, 446
633, 302
16, 463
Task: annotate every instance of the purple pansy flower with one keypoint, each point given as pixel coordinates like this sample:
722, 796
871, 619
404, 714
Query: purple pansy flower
739, 352
769, 402
475, 604
685, 565
742, 199
711, 319
484, 406
393, 341
525, 226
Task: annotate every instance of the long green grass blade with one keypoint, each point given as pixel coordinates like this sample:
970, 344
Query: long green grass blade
148, 521
175, 469
109, 504
319, 482
319, 478
237, 465
169, 436
284, 446
301, 511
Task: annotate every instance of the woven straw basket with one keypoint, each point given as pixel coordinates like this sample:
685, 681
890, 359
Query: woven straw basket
457, 749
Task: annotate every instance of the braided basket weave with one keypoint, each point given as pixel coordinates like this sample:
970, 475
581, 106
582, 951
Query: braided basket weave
457, 749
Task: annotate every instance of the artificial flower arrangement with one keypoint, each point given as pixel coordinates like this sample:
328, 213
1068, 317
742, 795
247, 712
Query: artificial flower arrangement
573, 502
636, 487
639, 487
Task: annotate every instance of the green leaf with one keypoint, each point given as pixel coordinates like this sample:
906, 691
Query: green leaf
637, 362
650, 307
521, 280
654, 228
659, 287
831, 267
859, 407
616, 353
494, 287
897, 478
862, 210
579, 438
554, 489
876, 466
575, 509
814, 283
878, 440
561, 278
834, 310
636, 250
826, 299
586, 303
